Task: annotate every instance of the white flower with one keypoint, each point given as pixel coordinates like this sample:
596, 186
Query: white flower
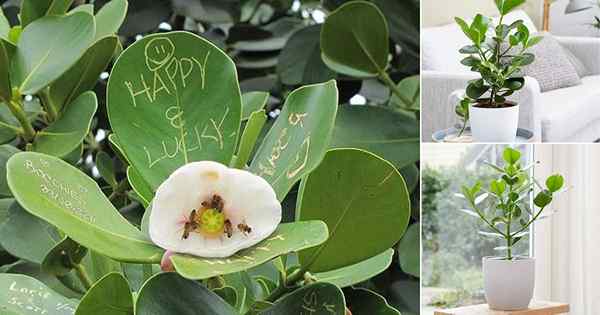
209, 210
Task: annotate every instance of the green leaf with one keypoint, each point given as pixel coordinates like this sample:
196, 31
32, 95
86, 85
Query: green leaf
67, 133
32, 10
511, 156
23, 295
228, 294
5, 87
183, 297
353, 202
505, 6
410, 88
391, 135
105, 166
355, 40
288, 237
359, 272
367, 302
84, 75
555, 182
6, 151
4, 25
27, 237
249, 136
543, 198
253, 101
278, 31
297, 142
409, 251
49, 47
61, 259
139, 185
319, 298
111, 295
497, 187
475, 91
174, 98
62, 195
110, 18
300, 60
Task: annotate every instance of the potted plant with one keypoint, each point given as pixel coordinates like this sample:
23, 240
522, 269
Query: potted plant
498, 53
503, 207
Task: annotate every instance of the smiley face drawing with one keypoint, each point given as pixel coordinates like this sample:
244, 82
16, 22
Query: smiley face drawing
159, 52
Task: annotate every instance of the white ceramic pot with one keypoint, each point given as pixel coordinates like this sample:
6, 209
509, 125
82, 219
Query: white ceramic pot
508, 284
494, 125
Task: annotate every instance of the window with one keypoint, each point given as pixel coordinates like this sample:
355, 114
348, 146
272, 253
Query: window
452, 247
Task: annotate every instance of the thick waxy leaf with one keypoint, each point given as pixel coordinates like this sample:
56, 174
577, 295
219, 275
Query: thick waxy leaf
279, 32
106, 168
6, 151
253, 101
49, 47
354, 40
24, 295
359, 272
109, 296
299, 137
139, 185
288, 237
27, 237
183, 297
409, 251
391, 135
249, 136
319, 298
110, 17
33, 9
63, 257
174, 98
300, 60
84, 75
4, 25
367, 207
367, 302
410, 89
67, 133
57, 192
5, 88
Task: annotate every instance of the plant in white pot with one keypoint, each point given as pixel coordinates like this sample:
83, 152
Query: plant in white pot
497, 53
504, 208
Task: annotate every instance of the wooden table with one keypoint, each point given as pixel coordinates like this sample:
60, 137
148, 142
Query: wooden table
535, 308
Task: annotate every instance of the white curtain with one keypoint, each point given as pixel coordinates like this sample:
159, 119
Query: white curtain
567, 245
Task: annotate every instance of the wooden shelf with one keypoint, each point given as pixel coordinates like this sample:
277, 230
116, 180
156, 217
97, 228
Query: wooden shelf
536, 308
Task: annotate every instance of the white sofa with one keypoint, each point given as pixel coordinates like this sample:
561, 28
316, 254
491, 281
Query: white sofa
564, 115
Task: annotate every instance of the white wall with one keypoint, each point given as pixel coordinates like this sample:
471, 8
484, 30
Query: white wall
439, 12
575, 24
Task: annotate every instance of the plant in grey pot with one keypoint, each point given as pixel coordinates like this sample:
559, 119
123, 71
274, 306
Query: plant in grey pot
504, 208
497, 53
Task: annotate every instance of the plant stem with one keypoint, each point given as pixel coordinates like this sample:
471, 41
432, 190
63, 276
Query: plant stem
16, 108
285, 287
394, 88
48, 107
121, 188
83, 276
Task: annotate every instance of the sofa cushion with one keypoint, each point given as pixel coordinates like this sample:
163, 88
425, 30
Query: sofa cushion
552, 67
440, 45
565, 112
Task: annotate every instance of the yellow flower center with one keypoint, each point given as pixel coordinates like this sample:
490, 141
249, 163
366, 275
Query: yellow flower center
211, 222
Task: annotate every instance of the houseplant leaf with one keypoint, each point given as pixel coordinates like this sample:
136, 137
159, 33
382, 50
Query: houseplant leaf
83, 75
354, 40
6, 151
49, 47
300, 60
4, 25
410, 88
174, 98
409, 251
5, 87
57, 192
320, 298
106, 168
288, 237
111, 295
67, 133
251, 133
110, 18
299, 137
365, 302
61, 259
184, 297
359, 272
27, 237
389, 134
139, 185
253, 101
366, 206
24, 295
